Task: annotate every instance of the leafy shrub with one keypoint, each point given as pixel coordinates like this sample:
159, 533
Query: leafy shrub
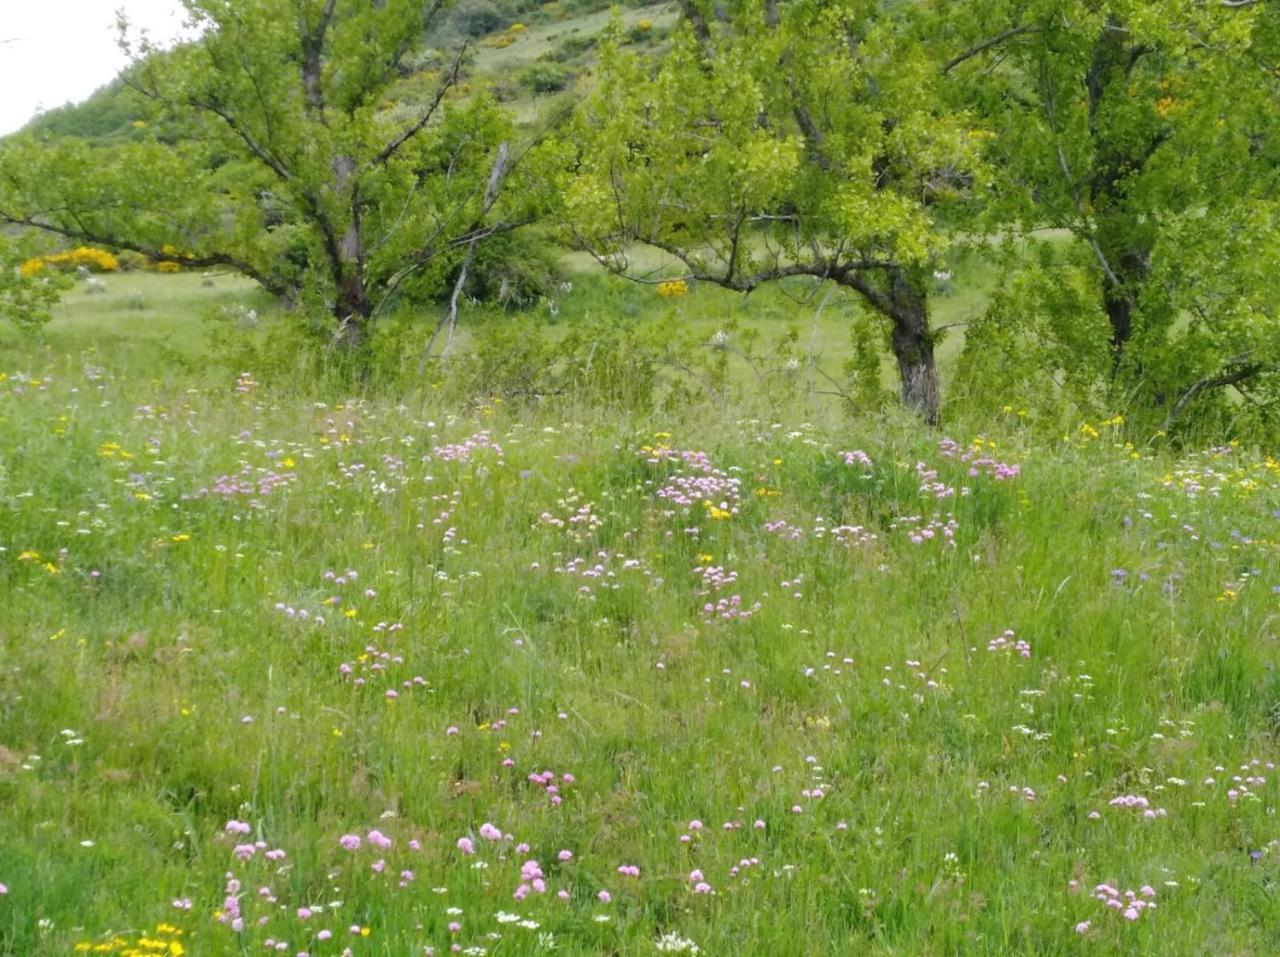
26, 297
545, 77
514, 270
131, 261
477, 19
641, 31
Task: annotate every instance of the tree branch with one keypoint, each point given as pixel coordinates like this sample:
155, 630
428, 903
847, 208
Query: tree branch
1232, 376
312, 43
451, 317
410, 132
858, 283
985, 45
699, 23
266, 156
86, 235
1090, 238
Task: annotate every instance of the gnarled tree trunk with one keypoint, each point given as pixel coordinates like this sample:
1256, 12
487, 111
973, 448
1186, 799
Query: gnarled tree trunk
907, 306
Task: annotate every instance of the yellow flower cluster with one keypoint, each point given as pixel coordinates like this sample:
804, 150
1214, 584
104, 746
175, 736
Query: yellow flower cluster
715, 513
34, 558
673, 289
95, 260
1088, 433
164, 943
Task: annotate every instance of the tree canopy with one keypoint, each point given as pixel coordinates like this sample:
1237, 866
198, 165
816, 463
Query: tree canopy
1118, 159
1147, 132
293, 168
779, 140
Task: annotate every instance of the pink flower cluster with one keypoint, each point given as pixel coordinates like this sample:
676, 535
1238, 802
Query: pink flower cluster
979, 464
552, 784
1129, 903
706, 484
931, 486
784, 530
464, 450
251, 483
714, 578
1008, 642
919, 531
604, 570
729, 609
1137, 802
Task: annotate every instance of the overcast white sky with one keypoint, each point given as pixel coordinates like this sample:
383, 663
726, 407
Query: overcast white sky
54, 51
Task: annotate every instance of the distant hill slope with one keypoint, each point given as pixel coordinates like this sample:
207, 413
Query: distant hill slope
523, 50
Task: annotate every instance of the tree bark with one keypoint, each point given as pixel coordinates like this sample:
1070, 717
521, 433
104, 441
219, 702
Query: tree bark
351, 308
908, 309
1119, 296
1120, 314
352, 305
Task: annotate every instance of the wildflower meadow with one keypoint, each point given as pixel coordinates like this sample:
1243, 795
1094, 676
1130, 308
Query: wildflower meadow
321, 674
788, 478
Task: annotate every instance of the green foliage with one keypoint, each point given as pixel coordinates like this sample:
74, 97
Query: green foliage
478, 18
571, 48
111, 111
293, 173
799, 140
1148, 133
25, 300
516, 270
545, 77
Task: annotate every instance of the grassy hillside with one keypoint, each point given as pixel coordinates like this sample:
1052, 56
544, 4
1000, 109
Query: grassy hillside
527, 52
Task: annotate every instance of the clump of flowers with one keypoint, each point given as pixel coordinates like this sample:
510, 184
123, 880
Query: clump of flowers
1009, 642
673, 943
729, 609
673, 289
94, 260
464, 450
1138, 802
163, 941
718, 492
1129, 904
919, 531
980, 458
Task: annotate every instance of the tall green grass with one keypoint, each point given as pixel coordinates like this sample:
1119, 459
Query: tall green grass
921, 786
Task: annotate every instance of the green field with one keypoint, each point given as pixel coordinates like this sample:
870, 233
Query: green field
586, 678
163, 323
